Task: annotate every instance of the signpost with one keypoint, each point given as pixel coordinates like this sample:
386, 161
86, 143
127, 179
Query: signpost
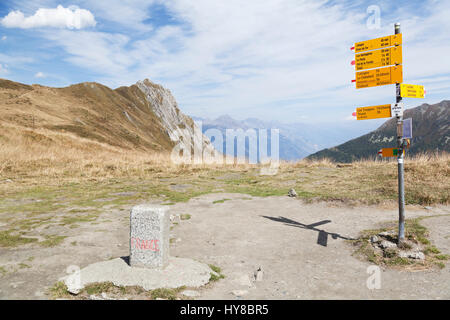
379, 77
378, 58
383, 42
397, 109
378, 62
412, 91
389, 152
375, 112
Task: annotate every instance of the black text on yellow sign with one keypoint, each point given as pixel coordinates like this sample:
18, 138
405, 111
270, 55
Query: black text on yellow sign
412, 91
383, 42
378, 58
374, 112
379, 77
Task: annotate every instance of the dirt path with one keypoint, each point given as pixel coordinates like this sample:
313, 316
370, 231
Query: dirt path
300, 247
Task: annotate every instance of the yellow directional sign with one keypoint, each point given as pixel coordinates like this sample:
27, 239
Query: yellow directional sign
389, 152
374, 112
378, 58
412, 91
383, 42
379, 77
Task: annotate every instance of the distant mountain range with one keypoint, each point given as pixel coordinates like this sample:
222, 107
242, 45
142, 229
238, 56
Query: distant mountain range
297, 140
431, 132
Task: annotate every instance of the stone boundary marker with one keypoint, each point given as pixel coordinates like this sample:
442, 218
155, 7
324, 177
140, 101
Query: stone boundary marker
149, 236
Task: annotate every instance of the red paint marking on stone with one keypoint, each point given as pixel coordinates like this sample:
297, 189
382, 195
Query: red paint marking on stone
145, 244
352, 63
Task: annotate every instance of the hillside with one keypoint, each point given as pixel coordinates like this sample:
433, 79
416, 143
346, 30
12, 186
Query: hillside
90, 117
431, 132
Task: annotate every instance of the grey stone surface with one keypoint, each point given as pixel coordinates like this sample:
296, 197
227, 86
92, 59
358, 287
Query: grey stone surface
179, 272
149, 236
190, 293
412, 255
387, 244
374, 239
292, 193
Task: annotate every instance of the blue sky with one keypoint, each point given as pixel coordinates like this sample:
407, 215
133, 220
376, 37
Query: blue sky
285, 60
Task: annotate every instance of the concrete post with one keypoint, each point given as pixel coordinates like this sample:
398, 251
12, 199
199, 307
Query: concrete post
149, 236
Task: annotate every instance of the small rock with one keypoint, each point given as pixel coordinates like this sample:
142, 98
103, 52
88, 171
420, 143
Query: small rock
94, 297
239, 293
259, 274
428, 208
292, 193
384, 234
387, 244
412, 255
374, 239
190, 293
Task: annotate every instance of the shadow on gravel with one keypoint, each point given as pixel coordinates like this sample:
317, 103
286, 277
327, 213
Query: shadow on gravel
322, 238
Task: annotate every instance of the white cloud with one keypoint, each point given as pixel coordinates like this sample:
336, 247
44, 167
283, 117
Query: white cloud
4, 38
39, 75
71, 18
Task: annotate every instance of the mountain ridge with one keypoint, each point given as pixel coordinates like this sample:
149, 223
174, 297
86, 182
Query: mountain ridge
431, 132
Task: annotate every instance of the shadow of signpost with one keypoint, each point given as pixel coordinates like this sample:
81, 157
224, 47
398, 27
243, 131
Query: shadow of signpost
322, 238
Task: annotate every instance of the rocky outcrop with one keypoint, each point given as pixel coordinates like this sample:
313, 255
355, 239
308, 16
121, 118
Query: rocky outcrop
180, 128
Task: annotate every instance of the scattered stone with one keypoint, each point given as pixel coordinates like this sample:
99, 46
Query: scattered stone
428, 208
94, 297
190, 293
292, 193
149, 236
259, 274
387, 244
384, 234
374, 239
412, 255
239, 293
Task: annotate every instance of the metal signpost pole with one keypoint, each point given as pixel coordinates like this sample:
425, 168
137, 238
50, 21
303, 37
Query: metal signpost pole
401, 187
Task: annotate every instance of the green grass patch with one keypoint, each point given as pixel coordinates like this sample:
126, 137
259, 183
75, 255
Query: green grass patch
165, 293
9, 240
217, 275
59, 291
220, 201
52, 241
185, 216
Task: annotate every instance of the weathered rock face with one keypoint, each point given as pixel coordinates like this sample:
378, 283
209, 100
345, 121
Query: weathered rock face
181, 129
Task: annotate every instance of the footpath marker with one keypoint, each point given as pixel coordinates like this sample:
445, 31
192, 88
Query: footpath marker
378, 62
379, 77
389, 152
412, 91
378, 58
375, 112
